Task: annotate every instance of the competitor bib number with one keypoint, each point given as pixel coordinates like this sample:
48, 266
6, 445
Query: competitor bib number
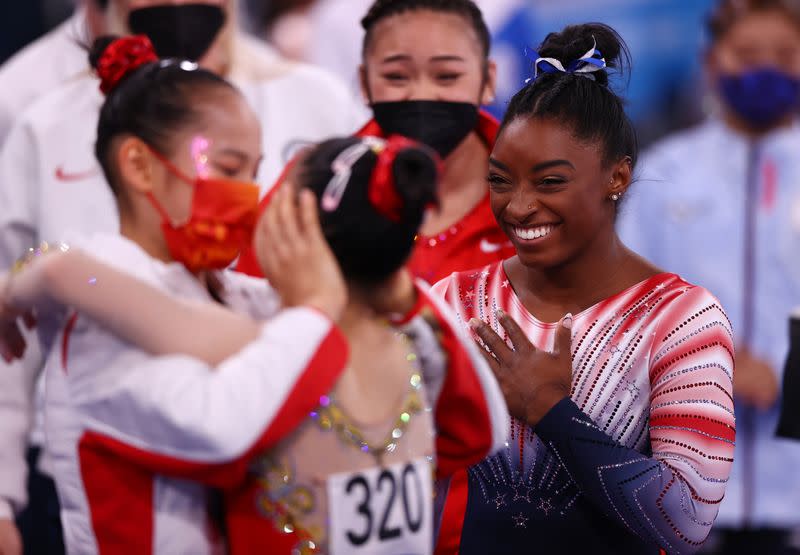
382, 511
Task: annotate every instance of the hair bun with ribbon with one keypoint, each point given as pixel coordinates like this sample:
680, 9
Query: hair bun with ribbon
404, 177
373, 194
590, 50
585, 66
115, 58
402, 180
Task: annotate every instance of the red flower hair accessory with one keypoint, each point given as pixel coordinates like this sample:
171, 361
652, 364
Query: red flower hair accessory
122, 57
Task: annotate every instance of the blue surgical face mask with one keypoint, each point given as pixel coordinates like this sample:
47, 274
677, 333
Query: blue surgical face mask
761, 97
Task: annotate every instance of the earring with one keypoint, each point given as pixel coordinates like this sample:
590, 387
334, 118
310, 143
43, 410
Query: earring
615, 197
530, 207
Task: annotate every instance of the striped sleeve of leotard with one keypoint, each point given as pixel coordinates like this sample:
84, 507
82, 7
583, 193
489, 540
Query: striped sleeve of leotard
671, 497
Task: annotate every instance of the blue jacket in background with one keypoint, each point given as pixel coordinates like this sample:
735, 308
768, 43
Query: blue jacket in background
697, 194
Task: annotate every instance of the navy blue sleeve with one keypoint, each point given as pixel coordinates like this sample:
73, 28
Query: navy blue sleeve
642, 493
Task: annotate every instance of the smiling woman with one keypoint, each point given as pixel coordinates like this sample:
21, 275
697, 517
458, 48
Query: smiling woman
425, 74
561, 191
617, 375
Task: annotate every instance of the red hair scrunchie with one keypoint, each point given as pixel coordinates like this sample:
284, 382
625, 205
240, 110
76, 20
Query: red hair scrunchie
382, 189
122, 57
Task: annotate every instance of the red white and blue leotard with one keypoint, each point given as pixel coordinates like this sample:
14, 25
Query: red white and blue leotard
637, 459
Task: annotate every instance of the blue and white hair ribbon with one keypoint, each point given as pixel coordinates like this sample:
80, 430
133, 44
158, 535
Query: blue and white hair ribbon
587, 64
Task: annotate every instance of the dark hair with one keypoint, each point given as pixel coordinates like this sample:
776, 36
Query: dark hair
368, 246
382, 9
728, 12
152, 102
586, 104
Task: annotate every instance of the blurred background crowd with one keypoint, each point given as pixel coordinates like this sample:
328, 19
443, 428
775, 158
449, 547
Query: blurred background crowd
666, 38
729, 220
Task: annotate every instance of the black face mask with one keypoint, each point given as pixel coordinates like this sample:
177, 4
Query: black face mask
439, 124
184, 31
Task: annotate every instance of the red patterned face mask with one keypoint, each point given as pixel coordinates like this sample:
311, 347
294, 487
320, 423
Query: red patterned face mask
221, 223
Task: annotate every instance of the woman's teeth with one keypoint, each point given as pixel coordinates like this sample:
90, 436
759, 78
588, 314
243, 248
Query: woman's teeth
529, 233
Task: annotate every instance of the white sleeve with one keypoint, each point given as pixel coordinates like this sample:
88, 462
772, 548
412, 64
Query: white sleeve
249, 295
176, 416
17, 384
17, 380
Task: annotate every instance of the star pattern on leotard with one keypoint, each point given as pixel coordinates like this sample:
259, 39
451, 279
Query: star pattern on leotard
520, 521
521, 491
499, 500
545, 505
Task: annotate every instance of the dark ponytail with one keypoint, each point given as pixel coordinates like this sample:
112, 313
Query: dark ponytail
415, 177
146, 97
368, 245
583, 101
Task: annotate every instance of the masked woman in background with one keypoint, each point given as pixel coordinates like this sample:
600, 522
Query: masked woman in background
426, 71
720, 205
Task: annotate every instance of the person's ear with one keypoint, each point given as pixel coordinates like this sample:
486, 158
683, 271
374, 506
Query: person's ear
136, 164
489, 92
621, 177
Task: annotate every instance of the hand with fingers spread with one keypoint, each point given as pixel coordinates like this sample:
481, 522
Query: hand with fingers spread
533, 381
294, 255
